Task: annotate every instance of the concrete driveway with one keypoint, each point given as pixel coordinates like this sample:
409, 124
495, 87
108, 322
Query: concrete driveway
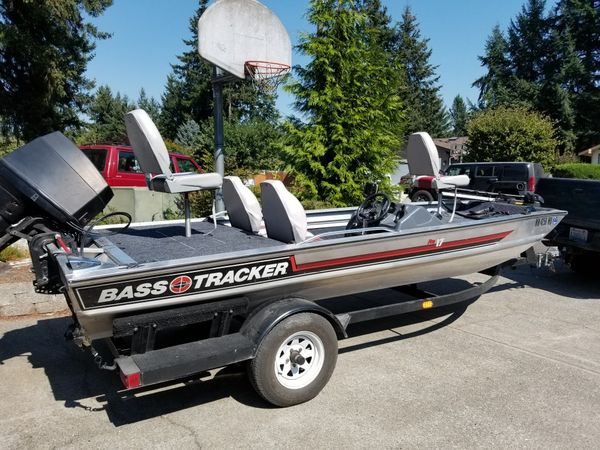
518, 368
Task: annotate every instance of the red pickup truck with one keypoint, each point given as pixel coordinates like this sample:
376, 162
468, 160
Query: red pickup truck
120, 168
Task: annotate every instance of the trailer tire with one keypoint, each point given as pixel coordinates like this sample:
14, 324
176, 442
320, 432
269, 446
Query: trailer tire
295, 360
422, 196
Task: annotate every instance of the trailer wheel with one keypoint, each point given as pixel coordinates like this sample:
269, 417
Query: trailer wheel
295, 360
422, 196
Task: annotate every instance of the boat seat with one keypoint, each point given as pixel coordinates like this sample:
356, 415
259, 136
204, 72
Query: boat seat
153, 157
284, 215
423, 160
242, 206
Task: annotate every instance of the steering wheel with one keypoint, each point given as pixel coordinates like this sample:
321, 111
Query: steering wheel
371, 211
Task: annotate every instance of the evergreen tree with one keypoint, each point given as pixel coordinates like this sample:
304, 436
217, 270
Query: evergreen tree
107, 113
188, 93
187, 134
348, 94
537, 67
459, 116
494, 86
540, 58
379, 20
172, 113
528, 42
578, 23
149, 104
44, 50
425, 110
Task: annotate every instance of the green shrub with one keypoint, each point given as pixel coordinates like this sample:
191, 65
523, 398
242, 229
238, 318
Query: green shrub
581, 170
512, 134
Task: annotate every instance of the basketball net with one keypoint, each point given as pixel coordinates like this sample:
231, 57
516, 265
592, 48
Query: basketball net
266, 76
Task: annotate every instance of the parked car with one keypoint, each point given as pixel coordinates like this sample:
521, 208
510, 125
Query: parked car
515, 178
120, 168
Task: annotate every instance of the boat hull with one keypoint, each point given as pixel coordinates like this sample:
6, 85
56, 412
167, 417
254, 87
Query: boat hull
314, 271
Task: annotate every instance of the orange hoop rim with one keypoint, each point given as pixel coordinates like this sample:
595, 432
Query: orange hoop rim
266, 76
265, 69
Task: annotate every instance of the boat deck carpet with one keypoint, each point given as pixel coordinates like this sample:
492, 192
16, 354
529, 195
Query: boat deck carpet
165, 242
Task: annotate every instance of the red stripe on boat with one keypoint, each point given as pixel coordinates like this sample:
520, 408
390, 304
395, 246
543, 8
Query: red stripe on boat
430, 248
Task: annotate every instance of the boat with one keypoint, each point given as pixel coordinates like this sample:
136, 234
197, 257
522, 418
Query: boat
249, 277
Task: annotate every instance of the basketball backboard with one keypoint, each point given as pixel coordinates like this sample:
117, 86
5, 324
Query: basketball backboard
232, 32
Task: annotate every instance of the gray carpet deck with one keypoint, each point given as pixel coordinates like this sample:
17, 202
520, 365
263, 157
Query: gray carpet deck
160, 243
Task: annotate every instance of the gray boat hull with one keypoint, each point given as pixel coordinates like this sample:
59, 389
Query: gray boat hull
314, 270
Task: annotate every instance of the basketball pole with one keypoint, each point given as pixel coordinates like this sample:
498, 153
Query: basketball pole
219, 156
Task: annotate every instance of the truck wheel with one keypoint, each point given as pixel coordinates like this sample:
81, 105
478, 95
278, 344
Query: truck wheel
295, 360
422, 196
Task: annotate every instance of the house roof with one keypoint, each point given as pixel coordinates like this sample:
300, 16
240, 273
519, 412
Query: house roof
451, 143
589, 151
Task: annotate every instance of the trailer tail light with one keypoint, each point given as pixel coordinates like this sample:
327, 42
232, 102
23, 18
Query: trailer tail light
131, 380
531, 184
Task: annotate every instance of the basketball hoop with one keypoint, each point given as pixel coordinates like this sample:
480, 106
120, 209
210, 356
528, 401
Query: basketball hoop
266, 76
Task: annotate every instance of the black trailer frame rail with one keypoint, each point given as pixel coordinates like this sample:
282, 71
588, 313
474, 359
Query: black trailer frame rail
145, 367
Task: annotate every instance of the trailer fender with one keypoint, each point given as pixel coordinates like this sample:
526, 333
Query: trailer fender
262, 320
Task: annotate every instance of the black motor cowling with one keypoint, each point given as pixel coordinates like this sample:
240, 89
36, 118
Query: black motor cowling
52, 179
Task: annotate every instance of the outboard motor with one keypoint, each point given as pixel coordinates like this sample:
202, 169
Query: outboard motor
48, 188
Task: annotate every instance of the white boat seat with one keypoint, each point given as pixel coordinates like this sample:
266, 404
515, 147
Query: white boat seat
423, 159
153, 157
242, 206
284, 215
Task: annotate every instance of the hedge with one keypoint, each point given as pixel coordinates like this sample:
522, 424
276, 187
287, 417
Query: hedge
584, 171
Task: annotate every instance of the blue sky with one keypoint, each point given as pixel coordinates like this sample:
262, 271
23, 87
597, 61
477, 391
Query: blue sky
147, 37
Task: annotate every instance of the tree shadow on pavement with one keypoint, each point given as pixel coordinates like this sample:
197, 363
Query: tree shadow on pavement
77, 381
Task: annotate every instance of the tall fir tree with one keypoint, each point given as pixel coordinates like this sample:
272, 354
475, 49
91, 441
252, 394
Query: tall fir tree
172, 112
459, 116
107, 112
44, 50
188, 92
380, 21
528, 41
538, 67
494, 86
578, 23
425, 110
348, 96
148, 104
549, 63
